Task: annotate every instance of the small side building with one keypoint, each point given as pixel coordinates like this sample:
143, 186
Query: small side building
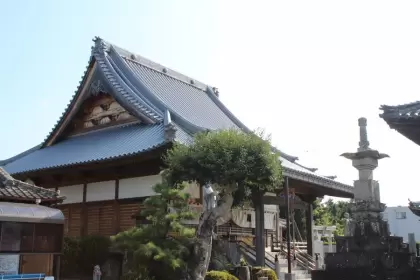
402, 221
31, 232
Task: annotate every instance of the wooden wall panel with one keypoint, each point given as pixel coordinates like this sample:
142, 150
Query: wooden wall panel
75, 220
72, 219
126, 215
93, 219
100, 219
107, 217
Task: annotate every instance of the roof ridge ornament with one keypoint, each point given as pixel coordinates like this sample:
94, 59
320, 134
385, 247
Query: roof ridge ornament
169, 127
99, 46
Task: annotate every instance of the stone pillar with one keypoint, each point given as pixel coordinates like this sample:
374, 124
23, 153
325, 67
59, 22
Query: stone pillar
367, 207
330, 246
277, 267
412, 243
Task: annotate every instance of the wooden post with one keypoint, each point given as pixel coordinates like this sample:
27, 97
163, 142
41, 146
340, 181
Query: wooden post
84, 212
259, 232
309, 227
286, 190
117, 208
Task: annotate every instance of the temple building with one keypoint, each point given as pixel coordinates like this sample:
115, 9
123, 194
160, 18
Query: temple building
406, 120
105, 152
31, 231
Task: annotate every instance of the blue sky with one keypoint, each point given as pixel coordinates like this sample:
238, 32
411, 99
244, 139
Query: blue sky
303, 70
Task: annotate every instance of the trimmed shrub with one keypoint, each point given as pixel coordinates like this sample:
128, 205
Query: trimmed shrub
220, 275
81, 254
259, 271
70, 259
94, 250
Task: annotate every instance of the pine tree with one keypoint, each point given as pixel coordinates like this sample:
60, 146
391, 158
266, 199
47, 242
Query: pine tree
161, 246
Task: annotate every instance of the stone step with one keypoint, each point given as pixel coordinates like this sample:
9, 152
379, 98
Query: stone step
300, 276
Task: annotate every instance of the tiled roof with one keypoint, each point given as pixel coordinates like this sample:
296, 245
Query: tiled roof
403, 118
15, 190
149, 91
298, 172
189, 101
107, 144
400, 112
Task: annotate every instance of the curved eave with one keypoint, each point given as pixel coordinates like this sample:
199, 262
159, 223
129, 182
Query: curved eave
138, 107
18, 156
49, 201
70, 105
339, 189
141, 90
101, 160
408, 127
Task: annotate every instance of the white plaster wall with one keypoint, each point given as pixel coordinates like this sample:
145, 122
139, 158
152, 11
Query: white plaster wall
73, 194
402, 227
100, 191
138, 186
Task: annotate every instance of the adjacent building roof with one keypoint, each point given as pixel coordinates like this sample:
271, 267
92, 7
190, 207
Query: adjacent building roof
404, 118
15, 190
30, 213
162, 99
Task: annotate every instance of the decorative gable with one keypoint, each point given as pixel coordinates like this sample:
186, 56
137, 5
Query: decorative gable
99, 110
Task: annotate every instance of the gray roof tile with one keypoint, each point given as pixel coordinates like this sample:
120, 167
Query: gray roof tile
91, 147
405, 111
15, 190
187, 100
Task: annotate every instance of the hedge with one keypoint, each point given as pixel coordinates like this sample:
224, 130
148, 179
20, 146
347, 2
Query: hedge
219, 275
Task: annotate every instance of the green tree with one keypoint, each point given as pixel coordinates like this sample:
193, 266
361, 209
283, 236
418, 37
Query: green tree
241, 166
162, 245
331, 213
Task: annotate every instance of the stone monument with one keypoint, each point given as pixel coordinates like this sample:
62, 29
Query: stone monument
367, 251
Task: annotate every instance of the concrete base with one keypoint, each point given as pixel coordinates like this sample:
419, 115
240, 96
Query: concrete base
289, 276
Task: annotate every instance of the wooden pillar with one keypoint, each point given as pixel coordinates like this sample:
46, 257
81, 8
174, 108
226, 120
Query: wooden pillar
277, 225
309, 215
57, 266
84, 212
117, 208
309, 228
259, 231
286, 191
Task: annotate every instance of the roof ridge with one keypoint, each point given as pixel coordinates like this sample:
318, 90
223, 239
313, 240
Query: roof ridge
146, 93
192, 82
400, 106
143, 61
